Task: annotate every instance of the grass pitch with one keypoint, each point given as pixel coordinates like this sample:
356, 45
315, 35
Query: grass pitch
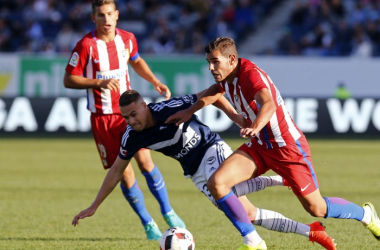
45, 182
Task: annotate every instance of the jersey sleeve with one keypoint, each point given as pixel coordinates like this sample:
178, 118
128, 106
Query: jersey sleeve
128, 148
179, 103
134, 49
254, 82
78, 59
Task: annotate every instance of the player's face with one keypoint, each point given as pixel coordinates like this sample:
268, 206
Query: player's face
220, 66
105, 18
136, 115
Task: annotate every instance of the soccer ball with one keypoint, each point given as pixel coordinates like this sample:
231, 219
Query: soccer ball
177, 238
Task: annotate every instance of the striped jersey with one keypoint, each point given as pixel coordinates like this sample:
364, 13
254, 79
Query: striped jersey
187, 143
250, 79
96, 59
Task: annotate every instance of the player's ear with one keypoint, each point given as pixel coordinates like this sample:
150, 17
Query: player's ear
93, 17
231, 59
117, 14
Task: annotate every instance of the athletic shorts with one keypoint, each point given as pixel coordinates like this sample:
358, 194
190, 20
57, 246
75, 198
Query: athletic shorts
292, 162
108, 131
211, 161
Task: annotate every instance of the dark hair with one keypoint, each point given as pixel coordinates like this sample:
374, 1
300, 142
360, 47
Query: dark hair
225, 45
98, 3
128, 97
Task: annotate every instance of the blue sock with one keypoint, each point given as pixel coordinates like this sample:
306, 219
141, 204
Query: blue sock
157, 187
136, 199
236, 213
343, 209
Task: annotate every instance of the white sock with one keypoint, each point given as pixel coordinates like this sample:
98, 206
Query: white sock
252, 239
367, 218
277, 222
257, 184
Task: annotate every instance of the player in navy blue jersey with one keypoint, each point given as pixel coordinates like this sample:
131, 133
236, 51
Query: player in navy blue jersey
199, 151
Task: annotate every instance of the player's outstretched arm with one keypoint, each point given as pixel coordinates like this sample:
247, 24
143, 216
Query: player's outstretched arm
112, 178
143, 70
206, 97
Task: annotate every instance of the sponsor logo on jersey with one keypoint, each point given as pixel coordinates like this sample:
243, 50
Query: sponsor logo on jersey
74, 59
111, 74
163, 127
192, 143
211, 160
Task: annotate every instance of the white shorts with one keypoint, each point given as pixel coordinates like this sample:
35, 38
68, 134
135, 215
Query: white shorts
211, 161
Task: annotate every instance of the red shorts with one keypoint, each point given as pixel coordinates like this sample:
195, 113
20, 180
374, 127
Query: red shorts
292, 162
108, 131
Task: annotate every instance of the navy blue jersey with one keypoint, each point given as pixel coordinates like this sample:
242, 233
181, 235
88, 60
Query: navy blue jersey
186, 143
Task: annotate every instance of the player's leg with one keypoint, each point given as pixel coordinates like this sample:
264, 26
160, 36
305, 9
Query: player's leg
275, 221
135, 198
257, 184
157, 187
107, 131
305, 186
220, 184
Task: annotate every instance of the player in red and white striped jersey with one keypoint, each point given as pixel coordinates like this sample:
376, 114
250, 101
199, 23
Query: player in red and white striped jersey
276, 143
99, 63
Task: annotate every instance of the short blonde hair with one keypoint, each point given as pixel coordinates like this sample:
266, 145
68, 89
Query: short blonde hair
225, 45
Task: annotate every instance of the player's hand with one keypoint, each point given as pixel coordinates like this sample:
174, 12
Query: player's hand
161, 88
85, 213
247, 132
111, 84
179, 117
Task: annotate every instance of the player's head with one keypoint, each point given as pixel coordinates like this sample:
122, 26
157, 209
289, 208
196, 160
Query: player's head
134, 110
105, 16
222, 57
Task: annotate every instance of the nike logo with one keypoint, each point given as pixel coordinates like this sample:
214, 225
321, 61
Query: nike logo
163, 127
96, 60
303, 189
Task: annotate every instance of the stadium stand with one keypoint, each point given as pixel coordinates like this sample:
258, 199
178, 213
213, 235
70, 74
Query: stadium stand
312, 27
161, 26
332, 28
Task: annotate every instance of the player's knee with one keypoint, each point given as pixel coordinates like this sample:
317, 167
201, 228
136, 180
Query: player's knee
216, 185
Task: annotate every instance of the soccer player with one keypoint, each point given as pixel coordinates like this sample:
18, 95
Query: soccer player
99, 63
199, 151
276, 143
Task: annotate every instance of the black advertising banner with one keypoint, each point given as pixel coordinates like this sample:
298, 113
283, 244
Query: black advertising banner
63, 116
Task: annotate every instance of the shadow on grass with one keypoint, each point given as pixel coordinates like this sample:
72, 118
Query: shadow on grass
63, 239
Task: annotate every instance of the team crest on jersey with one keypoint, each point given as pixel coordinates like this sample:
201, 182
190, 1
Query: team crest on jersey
125, 53
237, 99
74, 59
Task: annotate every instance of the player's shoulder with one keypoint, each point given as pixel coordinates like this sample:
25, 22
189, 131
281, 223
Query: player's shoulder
86, 40
126, 34
250, 69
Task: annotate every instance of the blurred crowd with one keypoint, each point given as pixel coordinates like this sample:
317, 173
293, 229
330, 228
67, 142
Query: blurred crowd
315, 27
161, 26
332, 28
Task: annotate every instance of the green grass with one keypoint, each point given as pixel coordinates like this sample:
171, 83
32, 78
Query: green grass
45, 182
